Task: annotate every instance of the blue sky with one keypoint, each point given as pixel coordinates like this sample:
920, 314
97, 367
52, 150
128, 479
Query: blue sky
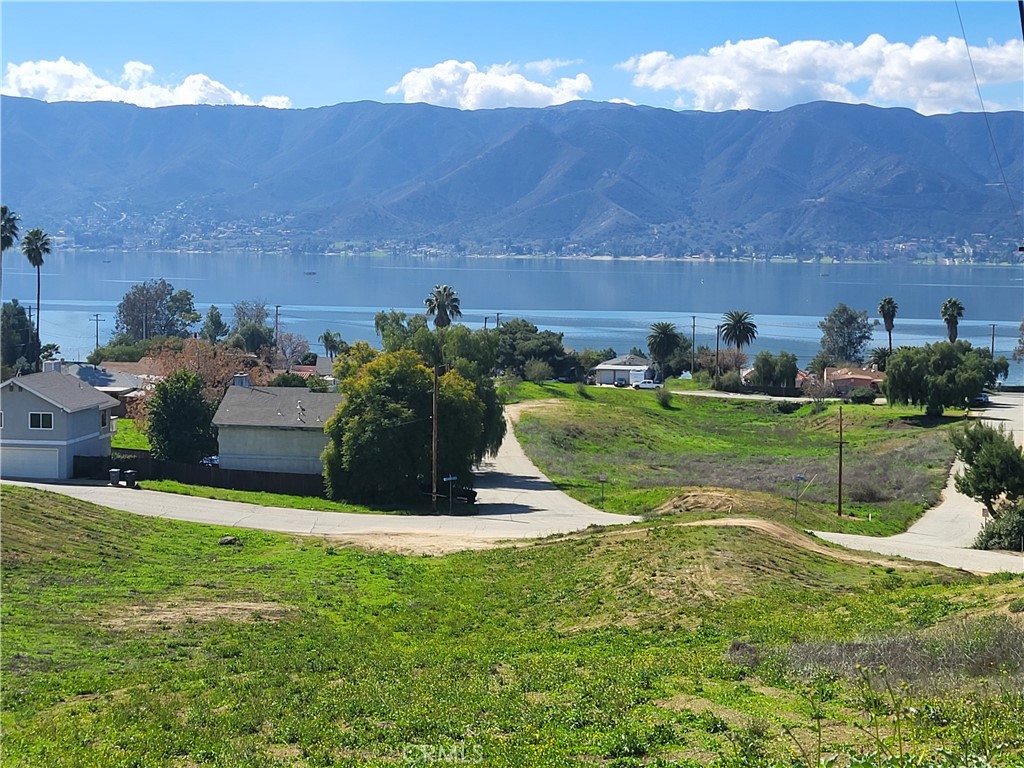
680, 55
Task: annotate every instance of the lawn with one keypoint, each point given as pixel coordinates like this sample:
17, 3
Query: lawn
895, 461
140, 641
128, 436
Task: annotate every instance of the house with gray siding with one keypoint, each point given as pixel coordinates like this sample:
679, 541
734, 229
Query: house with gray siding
273, 429
46, 419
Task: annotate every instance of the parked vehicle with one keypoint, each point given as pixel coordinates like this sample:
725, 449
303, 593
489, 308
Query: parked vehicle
647, 384
620, 382
981, 401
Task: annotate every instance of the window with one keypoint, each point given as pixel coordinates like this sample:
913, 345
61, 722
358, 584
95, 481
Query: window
1, 419
104, 419
40, 421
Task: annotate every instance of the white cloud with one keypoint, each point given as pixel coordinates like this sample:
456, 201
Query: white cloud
931, 76
64, 80
461, 84
547, 66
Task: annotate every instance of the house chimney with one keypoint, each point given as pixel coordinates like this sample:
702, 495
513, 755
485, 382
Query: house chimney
240, 380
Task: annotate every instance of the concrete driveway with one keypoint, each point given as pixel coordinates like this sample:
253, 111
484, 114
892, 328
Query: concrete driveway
515, 501
945, 533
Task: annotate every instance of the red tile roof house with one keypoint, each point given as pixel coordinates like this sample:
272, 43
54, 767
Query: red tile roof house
845, 380
46, 419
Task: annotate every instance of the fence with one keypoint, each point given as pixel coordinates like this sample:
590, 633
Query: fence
148, 468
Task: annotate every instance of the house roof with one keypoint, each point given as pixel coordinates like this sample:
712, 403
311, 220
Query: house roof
853, 374
276, 407
104, 380
626, 361
66, 392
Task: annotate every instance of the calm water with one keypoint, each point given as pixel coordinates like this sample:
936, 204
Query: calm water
594, 303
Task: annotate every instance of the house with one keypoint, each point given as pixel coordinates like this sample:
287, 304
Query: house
273, 429
629, 368
117, 384
46, 419
845, 380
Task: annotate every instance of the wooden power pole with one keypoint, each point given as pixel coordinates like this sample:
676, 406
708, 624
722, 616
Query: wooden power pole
433, 448
839, 504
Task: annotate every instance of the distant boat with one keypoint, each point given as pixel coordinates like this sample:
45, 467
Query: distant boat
309, 273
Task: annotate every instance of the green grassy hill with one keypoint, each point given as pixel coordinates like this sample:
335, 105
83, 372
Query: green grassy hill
140, 641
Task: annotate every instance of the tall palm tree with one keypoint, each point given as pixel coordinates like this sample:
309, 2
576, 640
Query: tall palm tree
8, 234
36, 244
332, 343
443, 305
951, 312
879, 357
738, 328
887, 309
662, 341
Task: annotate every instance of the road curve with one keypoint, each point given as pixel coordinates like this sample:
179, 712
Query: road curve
945, 533
515, 501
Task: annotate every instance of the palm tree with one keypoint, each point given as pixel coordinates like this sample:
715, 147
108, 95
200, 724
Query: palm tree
951, 312
879, 357
738, 328
332, 343
662, 341
443, 304
887, 309
36, 244
8, 234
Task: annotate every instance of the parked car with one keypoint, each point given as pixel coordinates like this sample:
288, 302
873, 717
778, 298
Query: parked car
647, 384
620, 382
981, 401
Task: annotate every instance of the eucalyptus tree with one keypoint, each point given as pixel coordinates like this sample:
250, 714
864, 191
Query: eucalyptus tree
887, 308
35, 245
738, 328
443, 305
951, 312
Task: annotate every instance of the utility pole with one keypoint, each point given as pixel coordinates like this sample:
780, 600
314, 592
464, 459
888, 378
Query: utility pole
497, 319
486, 318
277, 325
993, 348
718, 335
693, 341
96, 319
433, 449
839, 505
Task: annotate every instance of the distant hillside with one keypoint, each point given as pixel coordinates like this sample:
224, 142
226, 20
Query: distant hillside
580, 173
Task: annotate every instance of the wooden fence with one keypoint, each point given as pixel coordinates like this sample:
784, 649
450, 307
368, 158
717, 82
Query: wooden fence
148, 468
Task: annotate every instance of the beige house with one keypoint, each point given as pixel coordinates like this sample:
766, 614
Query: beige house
273, 429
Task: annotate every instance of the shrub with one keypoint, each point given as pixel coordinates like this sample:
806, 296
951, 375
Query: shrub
538, 371
664, 398
730, 382
1003, 532
1017, 606
581, 390
862, 396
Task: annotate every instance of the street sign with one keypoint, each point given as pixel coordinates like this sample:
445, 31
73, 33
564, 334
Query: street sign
450, 479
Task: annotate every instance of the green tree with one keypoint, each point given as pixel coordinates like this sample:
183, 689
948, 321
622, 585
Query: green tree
252, 337
763, 372
180, 424
154, 308
738, 328
17, 346
396, 329
887, 308
993, 465
352, 359
287, 379
939, 376
8, 235
845, 333
35, 245
663, 341
519, 340
952, 311
214, 328
379, 441
591, 358
786, 370
443, 305
1018, 351
879, 357
253, 311
538, 371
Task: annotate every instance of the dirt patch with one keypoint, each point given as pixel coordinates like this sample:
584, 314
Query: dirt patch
419, 543
174, 613
683, 702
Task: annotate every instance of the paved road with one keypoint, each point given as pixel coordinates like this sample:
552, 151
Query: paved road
515, 501
945, 533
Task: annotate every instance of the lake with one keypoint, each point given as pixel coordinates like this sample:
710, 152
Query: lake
595, 303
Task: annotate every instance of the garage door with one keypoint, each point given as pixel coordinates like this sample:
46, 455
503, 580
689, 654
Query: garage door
29, 463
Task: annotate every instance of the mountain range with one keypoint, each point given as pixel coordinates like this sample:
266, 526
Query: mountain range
585, 173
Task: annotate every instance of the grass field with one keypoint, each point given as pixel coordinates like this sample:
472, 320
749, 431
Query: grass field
131, 641
895, 463
129, 436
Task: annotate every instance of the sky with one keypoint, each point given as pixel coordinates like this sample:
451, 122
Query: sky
482, 55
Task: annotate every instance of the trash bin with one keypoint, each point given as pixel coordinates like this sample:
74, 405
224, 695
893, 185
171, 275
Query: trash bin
129, 478
115, 476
